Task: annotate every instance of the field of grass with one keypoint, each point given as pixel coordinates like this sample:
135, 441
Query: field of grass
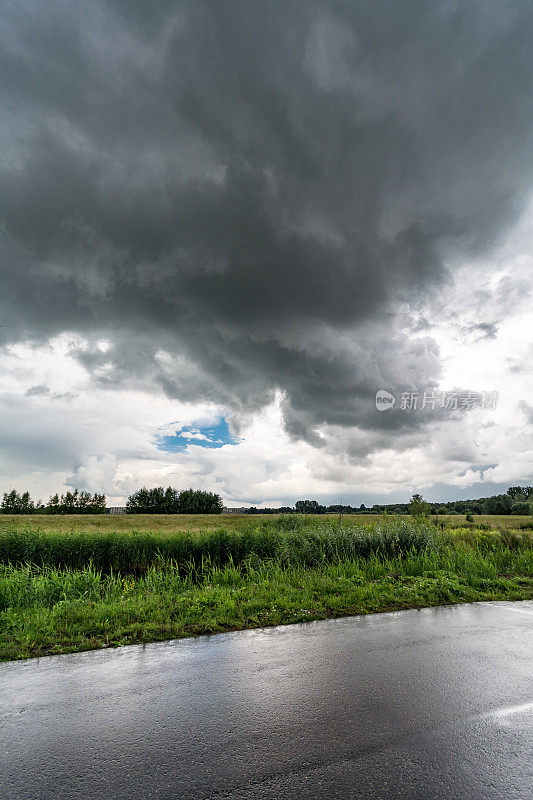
164, 523
170, 523
499, 522
77, 588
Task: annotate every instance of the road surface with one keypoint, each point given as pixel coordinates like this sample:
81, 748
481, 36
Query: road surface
416, 704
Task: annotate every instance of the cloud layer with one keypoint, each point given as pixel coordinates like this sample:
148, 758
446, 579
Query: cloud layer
235, 202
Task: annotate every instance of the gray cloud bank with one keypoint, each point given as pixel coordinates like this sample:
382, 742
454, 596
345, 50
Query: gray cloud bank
241, 196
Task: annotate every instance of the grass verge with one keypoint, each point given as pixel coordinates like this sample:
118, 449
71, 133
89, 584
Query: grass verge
46, 610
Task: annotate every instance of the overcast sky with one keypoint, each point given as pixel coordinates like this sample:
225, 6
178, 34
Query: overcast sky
225, 226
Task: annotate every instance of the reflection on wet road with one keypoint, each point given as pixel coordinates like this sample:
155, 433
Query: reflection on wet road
416, 704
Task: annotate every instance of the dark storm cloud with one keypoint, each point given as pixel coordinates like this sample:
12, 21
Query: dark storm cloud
528, 411
41, 389
239, 195
486, 330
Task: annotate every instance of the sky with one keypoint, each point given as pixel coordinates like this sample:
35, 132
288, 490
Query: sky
275, 250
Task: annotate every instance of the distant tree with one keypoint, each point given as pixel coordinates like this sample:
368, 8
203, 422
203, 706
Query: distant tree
170, 501
520, 507
418, 506
15, 503
520, 493
307, 507
498, 504
153, 501
76, 502
69, 502
97, 504
53, 505
191, 501
27, 504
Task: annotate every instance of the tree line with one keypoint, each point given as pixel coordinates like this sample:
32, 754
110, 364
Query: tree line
144, 501
69, 503
517, 500
170, 501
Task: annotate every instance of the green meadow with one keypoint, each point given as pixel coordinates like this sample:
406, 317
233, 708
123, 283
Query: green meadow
81, 582
170, 523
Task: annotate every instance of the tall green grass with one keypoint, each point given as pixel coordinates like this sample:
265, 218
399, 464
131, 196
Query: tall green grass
26, 587
289, 540
64, 592
51, 610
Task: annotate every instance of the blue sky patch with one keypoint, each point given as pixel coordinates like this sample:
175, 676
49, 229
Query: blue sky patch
212, 437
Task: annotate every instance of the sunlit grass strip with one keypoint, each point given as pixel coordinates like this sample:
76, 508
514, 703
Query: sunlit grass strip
54, 610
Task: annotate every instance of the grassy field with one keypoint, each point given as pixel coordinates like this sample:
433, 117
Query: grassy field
171, 523
90, 583
166, 523
503, 522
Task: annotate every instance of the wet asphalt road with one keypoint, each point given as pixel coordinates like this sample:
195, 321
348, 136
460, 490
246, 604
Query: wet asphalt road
416, 704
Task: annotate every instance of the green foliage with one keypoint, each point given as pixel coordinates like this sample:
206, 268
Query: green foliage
520, 493
308, 507
418, 506
290, 540
50, 609
193, 501
15, 503
69, 503
170, 501
521, 507
153, 501
77, 503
